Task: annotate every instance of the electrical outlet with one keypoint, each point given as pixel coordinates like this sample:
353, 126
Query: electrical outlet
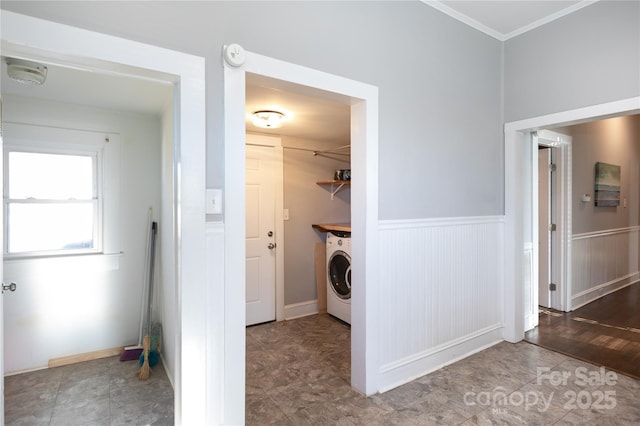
214, 201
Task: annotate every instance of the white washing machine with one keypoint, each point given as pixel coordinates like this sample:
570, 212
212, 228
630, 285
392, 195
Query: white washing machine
339, 275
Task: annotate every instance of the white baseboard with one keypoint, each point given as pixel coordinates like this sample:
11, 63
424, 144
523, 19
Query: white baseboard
404, 371
169, 376
602, 290
302, 309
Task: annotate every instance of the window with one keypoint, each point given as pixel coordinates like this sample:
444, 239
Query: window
61, 191
52, 203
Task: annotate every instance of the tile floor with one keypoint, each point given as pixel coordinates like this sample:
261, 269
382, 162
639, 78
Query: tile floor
298, 374
100, 392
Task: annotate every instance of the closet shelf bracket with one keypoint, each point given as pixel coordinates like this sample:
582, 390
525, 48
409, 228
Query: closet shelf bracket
336, 185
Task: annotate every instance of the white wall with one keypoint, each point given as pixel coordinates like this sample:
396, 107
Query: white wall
76, 305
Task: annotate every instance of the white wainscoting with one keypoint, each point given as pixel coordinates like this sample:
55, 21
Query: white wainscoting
442, 288
603, 262
530, 289
215, 322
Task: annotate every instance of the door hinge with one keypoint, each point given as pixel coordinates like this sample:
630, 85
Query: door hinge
552, 167
552, 287
552, 227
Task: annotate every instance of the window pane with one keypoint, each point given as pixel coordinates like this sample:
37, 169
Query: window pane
50, 176
46, 226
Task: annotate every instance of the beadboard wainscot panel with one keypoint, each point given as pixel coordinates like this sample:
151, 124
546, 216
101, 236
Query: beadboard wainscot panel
530, 289
215, 318
603, 262
442, 288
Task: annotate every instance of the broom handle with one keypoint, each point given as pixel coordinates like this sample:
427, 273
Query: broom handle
144, 280
154, 230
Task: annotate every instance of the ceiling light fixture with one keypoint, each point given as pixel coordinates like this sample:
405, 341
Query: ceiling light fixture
267, 119
31, 73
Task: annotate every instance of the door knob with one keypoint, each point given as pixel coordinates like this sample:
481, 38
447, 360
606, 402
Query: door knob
10, 287
271, 246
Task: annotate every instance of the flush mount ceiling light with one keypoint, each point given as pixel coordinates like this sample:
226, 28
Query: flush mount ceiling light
267, 119
31, 73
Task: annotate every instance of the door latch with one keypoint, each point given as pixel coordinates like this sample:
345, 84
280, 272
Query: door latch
10, 287
271, 246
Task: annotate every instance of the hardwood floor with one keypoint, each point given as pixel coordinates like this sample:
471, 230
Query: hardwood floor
605, 332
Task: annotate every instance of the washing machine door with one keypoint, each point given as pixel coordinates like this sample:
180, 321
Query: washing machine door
340, 274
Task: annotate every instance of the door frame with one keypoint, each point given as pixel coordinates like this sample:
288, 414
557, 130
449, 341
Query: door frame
560, 267
275, 142
363, 99
518, 189
31, 38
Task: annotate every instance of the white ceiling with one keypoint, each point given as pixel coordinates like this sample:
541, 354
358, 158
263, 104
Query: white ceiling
312, 114
93, 89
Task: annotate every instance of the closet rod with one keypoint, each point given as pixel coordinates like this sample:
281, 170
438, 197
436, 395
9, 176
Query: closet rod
332, 151
316, 152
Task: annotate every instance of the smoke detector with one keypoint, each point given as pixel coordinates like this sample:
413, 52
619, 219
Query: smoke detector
26, 72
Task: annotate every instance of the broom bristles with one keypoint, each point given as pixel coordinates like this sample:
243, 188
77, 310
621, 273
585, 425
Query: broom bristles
145, 370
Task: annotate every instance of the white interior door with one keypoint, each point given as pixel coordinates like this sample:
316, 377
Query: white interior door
544, 220
260, 234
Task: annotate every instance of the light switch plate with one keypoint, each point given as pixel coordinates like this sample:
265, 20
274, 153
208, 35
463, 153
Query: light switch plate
214, 201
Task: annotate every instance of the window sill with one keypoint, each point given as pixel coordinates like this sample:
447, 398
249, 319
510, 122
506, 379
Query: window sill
96, 261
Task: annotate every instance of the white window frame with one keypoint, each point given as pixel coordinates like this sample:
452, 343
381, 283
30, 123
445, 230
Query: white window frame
96, 197
103, 147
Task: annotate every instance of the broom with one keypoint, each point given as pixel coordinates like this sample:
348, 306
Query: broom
134, 352
145, 370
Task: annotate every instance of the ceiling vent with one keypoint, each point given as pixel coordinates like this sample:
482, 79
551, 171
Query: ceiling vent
26, 72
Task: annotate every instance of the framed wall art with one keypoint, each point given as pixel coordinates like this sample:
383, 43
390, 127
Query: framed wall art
607, 185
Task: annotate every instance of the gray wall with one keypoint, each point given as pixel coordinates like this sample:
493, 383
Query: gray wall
308, 203
587, 58
613, 141
439, 82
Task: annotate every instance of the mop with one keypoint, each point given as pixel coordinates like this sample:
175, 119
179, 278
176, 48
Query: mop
133, 352
145, 370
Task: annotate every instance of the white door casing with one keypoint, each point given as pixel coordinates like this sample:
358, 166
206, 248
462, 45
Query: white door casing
516, 189
363, 99
262, 248
560, 215
40, 40
544, 219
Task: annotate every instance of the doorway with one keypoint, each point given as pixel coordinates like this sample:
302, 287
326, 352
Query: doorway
518, 216
48, 42
363, 101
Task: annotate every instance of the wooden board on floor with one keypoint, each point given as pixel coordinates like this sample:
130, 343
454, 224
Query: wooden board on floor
321, 277
88, 356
